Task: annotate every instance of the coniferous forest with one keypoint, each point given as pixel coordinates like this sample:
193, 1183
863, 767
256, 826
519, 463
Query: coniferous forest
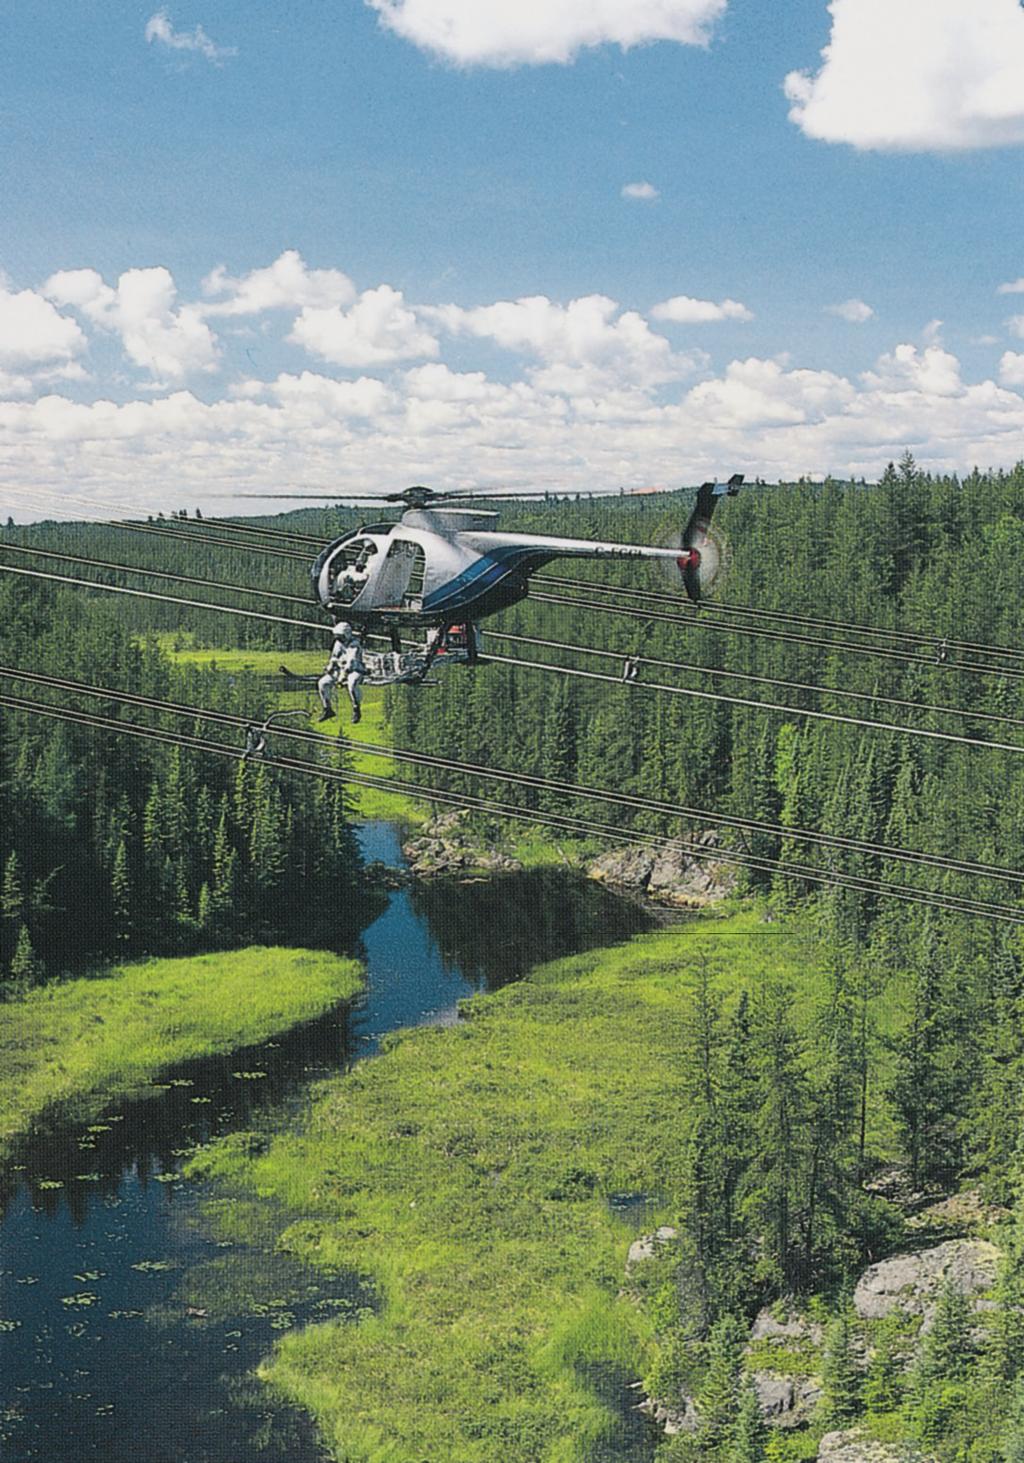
898, 1063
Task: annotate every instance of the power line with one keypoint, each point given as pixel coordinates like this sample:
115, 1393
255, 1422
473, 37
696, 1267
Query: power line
690, 622
800, 873
687, 667
710, 607
659, 686
156, 573
716, 607
547, 784
165, 529
804, 711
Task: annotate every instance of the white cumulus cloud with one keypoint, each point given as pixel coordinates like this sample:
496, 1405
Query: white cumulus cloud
855, 311
160, 30
533, 32
1015, 325
685, 310
33, 333
167, 340
1012, 287
288, 283
585, 346
378, 330
641, 192
1011, 368
916, 76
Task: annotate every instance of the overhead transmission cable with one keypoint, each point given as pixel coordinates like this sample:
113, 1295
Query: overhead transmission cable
683, 667
534, 665
164, 528
713, 607
499, 774
196, 531
691, 622
801, 873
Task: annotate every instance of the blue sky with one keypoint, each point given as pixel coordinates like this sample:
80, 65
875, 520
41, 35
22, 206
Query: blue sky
154, 146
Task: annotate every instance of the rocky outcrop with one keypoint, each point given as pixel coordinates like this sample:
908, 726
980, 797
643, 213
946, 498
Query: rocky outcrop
786, 1401
448, 848
679, 1419
851, 1446
961, 1213
669, 876
913, 1281
786, 1326
649, 1246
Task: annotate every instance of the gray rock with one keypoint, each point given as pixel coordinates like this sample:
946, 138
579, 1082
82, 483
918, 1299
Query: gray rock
913, 1281
786, 1401
794, 1328
649, 1245
629, 868
671, 876
851, 1446
679, 1418
445, 848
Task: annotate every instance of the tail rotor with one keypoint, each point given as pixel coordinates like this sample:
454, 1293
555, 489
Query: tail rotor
700, 552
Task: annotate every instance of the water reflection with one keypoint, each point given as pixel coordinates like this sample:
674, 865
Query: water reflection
127, 1333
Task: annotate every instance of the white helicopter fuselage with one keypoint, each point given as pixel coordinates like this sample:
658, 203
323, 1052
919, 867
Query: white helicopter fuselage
440, 566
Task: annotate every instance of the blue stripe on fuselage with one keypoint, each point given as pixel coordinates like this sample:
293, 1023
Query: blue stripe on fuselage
484, 574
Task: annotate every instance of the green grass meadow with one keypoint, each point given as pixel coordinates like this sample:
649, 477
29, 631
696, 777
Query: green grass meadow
466, 1172
69, 1049
367, 802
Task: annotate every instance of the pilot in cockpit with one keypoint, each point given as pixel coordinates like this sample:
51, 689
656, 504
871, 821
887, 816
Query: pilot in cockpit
351, 581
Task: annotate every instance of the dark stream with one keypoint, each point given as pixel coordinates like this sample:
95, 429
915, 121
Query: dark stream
127, 1332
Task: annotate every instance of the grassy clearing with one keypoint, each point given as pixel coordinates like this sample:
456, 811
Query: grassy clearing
367, 802
466, 1172
69, 1049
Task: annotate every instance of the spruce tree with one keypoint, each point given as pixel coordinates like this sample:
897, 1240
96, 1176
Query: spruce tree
840, 1374
948, 1347
121, 896
718, 1394
773, 1182
749, 1433
884, 1385
1012, 1441
25, 966
12, 895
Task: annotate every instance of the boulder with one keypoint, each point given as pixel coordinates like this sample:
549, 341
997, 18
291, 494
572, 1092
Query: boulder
670, 876
680, 1418
786, 1401
627, 868
794, 1327
851, 1446
446, 848
913, 1281
649, 1245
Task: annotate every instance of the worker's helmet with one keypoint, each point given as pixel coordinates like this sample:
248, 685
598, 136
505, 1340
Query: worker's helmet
342, 630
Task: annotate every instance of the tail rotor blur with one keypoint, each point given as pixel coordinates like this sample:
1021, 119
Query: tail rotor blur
700, 552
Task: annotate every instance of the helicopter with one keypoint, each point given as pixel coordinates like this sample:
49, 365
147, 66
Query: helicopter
444, 568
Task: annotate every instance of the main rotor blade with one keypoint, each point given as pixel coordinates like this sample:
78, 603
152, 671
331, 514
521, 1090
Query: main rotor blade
327, 497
